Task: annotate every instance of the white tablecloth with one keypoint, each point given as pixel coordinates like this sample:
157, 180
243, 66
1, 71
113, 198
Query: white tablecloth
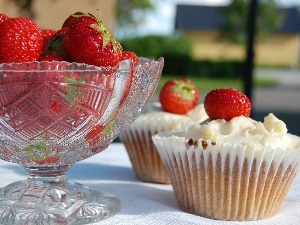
144, 203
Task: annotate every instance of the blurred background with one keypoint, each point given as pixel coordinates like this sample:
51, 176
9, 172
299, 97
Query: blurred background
250, 45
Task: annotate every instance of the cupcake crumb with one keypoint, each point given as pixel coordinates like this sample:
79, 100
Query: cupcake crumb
204, 144
192, 142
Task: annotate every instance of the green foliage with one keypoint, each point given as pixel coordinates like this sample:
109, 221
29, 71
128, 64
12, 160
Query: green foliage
206, 84
269, 18
177, 52
127, 11
175, 49
154, 46
131, 14
216, 69
234, 28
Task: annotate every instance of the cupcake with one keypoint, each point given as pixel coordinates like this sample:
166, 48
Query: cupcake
137, 138
231, 169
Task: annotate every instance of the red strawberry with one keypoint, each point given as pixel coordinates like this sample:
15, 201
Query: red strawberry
226, 103
179, 96
3, 17
130, 55
46, 160
55, 44
20, 40
71, 19
88, 41
94, 132
56, 107
51, 57
46, 36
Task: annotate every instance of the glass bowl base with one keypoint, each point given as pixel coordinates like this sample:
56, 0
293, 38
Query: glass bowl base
54, 201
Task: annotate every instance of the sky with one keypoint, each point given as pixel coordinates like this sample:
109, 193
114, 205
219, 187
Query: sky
162, 20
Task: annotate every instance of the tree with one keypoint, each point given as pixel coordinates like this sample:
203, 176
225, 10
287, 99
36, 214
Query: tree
235, 24
131, 13
246, 22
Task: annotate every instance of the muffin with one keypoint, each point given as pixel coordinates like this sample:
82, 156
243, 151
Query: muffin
231, 167
238, 169
137, 139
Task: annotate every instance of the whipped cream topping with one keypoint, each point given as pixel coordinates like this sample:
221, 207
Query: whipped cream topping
159, 121
196, 115
271, 133
240, 138
155, 119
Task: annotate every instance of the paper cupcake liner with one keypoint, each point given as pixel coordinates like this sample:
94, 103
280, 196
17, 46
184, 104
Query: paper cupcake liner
145, 159
228, 182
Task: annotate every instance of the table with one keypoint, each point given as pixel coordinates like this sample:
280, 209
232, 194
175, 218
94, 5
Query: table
144, 203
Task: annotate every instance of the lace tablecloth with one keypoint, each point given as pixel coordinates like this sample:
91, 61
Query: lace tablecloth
145, 203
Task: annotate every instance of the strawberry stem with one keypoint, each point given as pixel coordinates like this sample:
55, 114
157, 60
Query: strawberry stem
185, 90
107, 36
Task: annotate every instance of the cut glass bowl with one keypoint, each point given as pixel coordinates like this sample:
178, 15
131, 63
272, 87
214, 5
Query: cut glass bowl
54, 114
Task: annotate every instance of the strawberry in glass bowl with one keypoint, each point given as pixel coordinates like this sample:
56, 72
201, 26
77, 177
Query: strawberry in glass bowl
54, 114
64, 98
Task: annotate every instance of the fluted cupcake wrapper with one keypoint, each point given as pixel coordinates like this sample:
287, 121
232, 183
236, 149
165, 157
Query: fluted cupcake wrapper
145, 159
228, 182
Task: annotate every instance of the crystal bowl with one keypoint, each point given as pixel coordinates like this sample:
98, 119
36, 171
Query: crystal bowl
54, 114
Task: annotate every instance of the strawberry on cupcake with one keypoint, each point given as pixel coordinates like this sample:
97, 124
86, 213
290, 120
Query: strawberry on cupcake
178, 107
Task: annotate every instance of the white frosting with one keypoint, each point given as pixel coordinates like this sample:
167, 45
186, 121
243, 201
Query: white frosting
271, 133
155, 120
160, 121
241, 137
152, 121
196, 115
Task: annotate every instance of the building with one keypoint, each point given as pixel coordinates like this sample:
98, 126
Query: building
50, 14
201, 23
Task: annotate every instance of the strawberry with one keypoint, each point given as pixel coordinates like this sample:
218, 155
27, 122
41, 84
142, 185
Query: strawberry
51, 57
179, 96
55, 44
71, 19
130, 55
46, 36
226, 103
88, 41
20, 40
46, 160
55, 107
3, 17
94, 132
